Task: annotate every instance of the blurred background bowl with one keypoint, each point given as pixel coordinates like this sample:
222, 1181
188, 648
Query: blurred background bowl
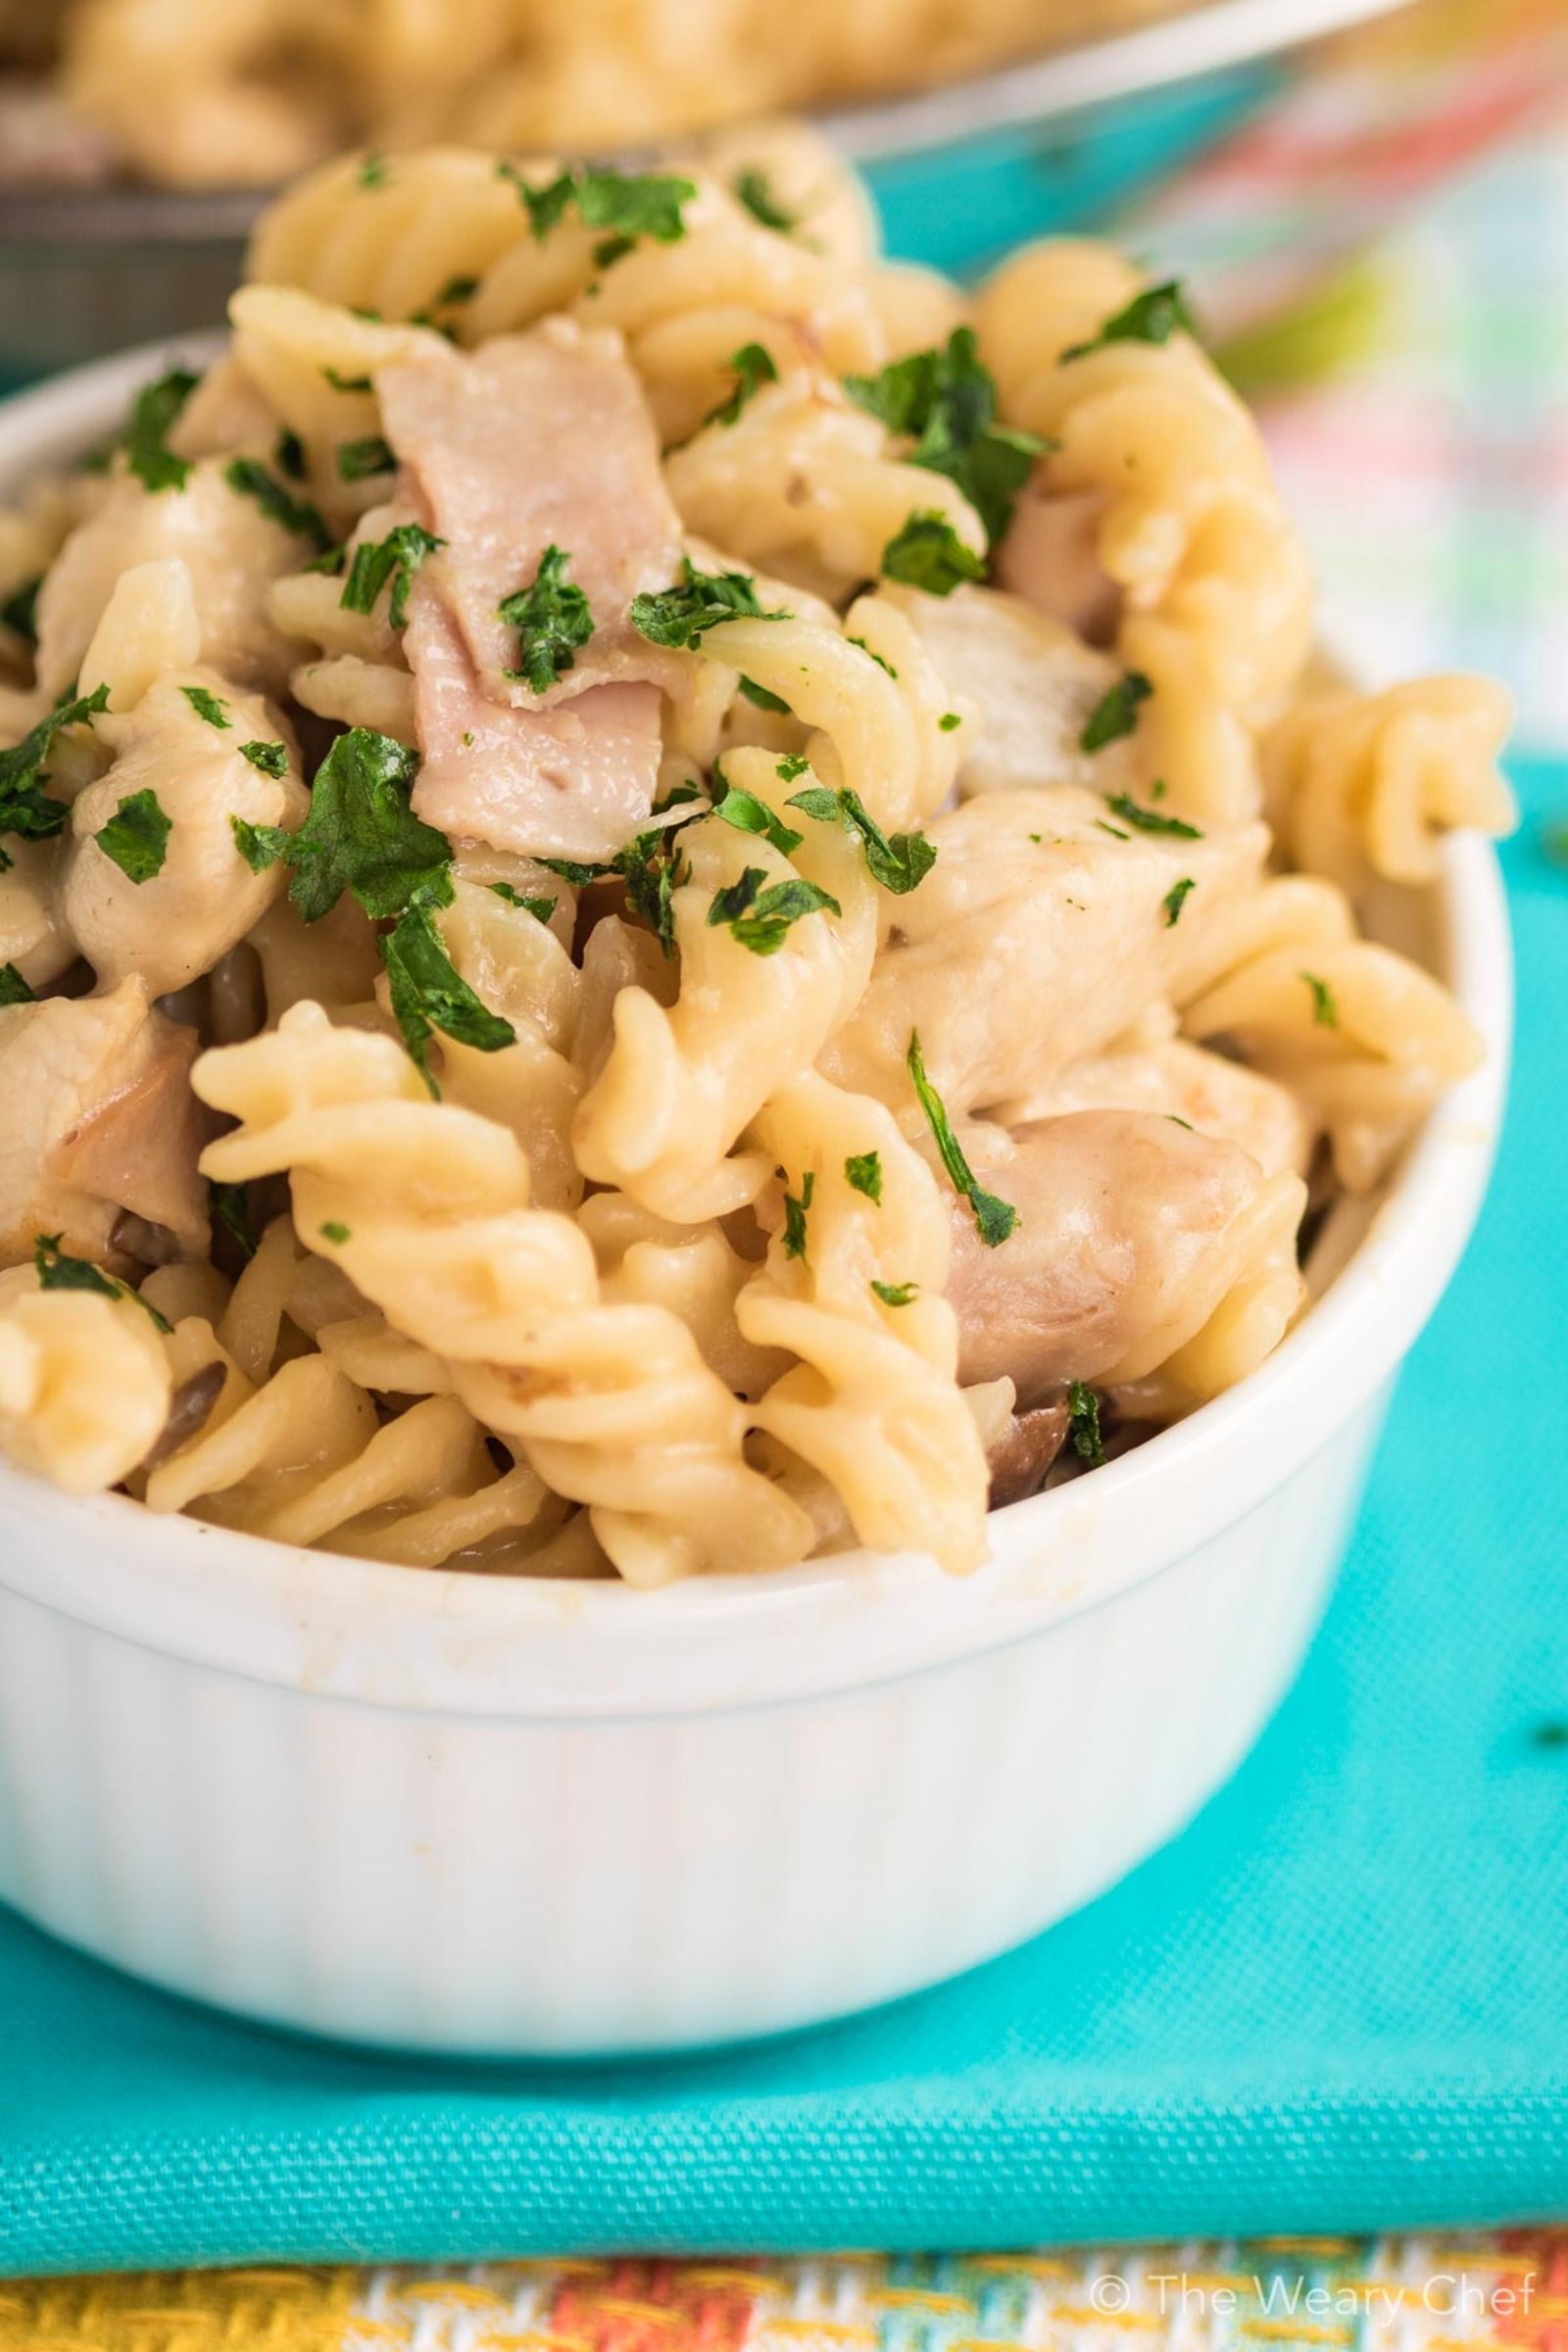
961, 173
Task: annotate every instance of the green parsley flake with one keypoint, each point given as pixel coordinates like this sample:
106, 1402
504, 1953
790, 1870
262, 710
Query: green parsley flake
552, 619
207, 705
26, 808
864, 1173
347, 383
754, 367
360, 835
230, 1208
764, 698
247, 477
1149, 820
949, 721
762, 918
896, 1293
994, 1219
396, 558
901, 862
358, 461
1325, 1011
1083, 1424
631, 205
927, 553
880, 660
334, 1231
749, 814
428, 993
372, 171
14, 989
795, 1215
271, 757
136, 836
1175, 899
1116, 713
541, 909
1118, 832
677, 616
288, 455
1151, 316
755, 191
153, 412
793, 764
20, 610
56, 1271
947, 401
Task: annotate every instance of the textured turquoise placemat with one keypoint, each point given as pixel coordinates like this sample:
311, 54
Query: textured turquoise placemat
1341, 2000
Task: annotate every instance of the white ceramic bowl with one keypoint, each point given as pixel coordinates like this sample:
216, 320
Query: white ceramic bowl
464, 1813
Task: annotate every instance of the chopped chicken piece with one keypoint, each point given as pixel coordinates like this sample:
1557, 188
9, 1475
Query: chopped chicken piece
1131, 1231
1040, 935
101, 1120
1186, 1082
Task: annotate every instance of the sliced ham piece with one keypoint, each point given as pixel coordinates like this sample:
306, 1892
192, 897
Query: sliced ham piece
573, 780
537, 440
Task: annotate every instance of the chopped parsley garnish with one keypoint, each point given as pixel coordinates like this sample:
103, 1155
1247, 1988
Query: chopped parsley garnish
358, 461
230, 1208
372, 171
58, 1271
1175, 899
994, 1219
900, 861
271, 757
136, 836
630, 203
1151, 316
949, 721
1083, 1424
396, 558
26, 808
1116, 713
948, 402
541, 909
14, 989
334, 1230
347, 383
871, 654
1117, 832
20, 610
896, 1294
927, 553
288, 455
206, 706
755, 191
552, 619
153, 412
754, 367
762, 918
748, 814
864, 1173
461, 288
652, 868
248, 477
795, 1215
1325, 1011
429, 994
793, 764
1149, 820
677, 616
360, 835
764, 697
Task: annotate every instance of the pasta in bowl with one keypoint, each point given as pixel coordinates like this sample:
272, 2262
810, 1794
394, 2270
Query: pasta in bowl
656, 935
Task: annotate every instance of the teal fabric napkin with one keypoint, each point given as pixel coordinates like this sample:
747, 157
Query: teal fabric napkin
1340, 2001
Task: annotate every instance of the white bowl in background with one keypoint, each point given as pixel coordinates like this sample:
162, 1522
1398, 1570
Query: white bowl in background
466, 1813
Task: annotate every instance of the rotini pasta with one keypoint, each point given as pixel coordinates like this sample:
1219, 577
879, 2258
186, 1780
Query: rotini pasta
663, 903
